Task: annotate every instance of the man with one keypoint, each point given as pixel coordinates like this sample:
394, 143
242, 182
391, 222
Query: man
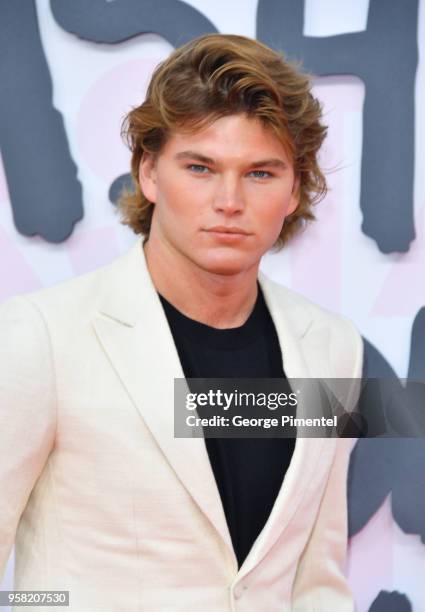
104, 500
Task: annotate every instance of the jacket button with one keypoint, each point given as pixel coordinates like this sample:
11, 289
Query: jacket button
239, 590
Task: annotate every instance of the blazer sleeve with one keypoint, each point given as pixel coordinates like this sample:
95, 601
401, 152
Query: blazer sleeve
320, 584
27, 411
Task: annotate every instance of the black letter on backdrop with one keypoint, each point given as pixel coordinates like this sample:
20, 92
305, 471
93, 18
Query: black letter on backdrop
392, 465
385, 57
391, 602
113, 22
41, 175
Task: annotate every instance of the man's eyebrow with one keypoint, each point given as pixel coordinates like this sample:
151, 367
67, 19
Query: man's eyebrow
273, 162
194, 155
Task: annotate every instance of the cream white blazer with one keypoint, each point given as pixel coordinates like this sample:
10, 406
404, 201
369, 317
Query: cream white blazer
103, 501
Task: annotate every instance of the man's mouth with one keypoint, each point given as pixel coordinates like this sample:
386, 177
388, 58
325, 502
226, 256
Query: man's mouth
230, 230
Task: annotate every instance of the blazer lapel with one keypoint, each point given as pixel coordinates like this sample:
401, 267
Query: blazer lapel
312, 456
133, 330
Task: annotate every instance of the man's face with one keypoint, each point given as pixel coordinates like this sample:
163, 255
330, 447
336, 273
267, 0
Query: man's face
220, 194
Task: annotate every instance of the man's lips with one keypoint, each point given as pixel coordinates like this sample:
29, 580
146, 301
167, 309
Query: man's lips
223, 229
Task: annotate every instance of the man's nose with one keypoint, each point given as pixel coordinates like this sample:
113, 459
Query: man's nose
228, 197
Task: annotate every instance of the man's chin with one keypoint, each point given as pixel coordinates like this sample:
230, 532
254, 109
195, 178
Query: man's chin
228, 265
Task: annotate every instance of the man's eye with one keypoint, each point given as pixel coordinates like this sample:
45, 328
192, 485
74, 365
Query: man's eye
198, 168
260, 174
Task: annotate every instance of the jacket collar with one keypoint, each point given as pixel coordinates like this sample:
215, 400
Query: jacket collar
129, 285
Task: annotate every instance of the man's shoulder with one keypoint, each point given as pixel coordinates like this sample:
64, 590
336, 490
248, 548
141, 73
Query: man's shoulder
68, 295
327, 332
78, 296
297, 306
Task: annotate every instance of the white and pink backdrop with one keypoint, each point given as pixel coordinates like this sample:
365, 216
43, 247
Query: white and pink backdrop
333, 262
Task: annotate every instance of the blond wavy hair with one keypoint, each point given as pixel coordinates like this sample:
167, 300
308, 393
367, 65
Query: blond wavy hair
218, 75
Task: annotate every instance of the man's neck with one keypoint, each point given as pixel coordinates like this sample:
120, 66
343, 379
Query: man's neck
218, 300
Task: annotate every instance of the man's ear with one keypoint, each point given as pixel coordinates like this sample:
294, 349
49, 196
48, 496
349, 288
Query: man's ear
295, 196
147, 176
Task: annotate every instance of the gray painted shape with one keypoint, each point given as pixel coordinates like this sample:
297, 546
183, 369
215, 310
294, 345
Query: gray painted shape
121, 183
385, 57
408, 493
373, 467
391, 602
394, 465
382, 466
44, 191
417, 347
113, 22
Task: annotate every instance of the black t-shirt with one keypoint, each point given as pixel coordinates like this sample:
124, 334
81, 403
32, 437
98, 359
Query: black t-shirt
248, 472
